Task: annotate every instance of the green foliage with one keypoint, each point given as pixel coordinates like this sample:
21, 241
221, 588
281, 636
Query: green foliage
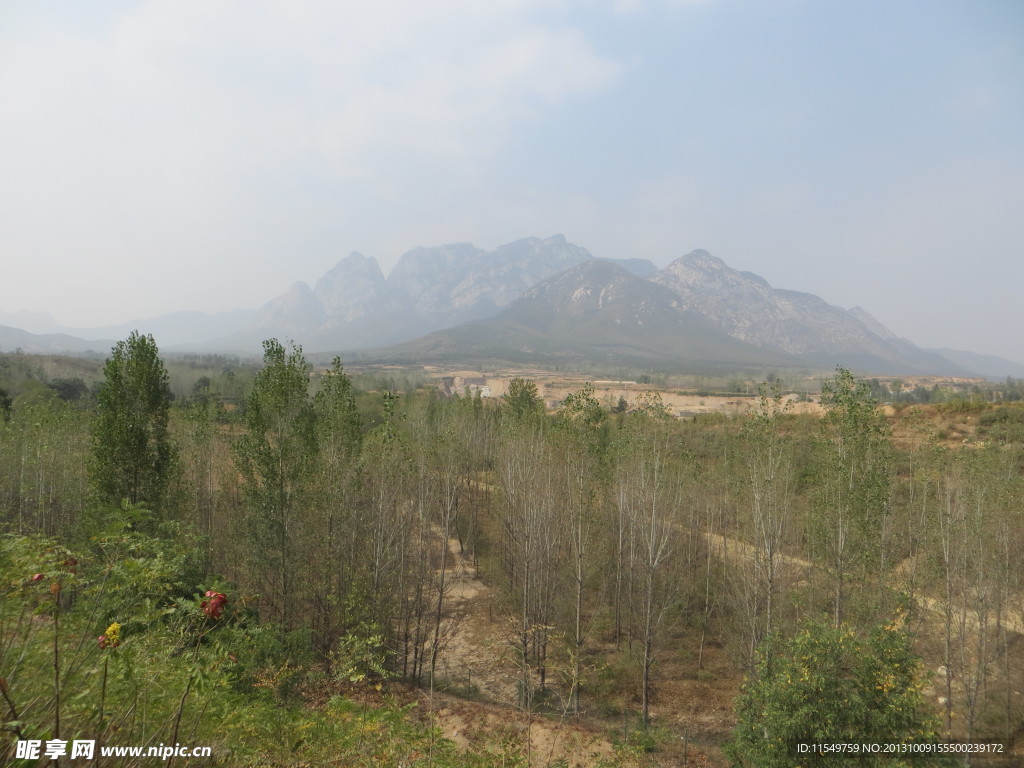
171, 673
337, 419
42, 472
278, 404
132, 454
582, 424
144, 576
853, 467
522, 402
156, 643
1003, 424
582, 409
360, 655
274, 458
70, 389
827, 685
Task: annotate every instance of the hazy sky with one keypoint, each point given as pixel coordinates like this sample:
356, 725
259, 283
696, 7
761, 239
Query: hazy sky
204, 154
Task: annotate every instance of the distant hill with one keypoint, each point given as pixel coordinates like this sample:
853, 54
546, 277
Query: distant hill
529, 298
695, 313
596, 312
989, 366
170, 330
747, 308
13, 339
355, 306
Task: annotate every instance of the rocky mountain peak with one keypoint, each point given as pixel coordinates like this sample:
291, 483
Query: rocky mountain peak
598, 287
356, 263
353, 288
699, 273
700, 257
872, 324
298, 291
421, 261
552, 283
746, 307
294, 311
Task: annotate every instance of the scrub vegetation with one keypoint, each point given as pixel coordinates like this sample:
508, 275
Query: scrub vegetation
295, 566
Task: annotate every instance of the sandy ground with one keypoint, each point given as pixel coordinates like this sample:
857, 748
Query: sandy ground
554, 387
478, 658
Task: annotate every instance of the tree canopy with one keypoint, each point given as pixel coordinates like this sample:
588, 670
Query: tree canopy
131, 449
826, 685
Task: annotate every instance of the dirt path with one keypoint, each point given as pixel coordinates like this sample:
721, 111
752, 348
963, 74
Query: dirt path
730, 549
475, 656
477, 660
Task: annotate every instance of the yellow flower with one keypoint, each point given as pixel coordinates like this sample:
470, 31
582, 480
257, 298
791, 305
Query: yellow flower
112, 637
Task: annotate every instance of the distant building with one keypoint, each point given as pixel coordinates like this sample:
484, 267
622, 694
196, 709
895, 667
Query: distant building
461, 385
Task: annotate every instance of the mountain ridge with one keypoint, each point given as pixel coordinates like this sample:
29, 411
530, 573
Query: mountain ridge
355, 306
748, 308
596, 312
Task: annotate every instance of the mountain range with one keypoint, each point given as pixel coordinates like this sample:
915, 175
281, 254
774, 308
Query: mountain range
596, 312
542, 300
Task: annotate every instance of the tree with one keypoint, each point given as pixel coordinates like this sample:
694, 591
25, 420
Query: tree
43, 481
200, 487
648, 495
522, 402
132, 454
533, 542
69, 389
581, 440
852, 490
396, 537
331, 542
274, 459
826, 685
765, 475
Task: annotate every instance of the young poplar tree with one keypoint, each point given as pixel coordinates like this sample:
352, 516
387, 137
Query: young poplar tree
648, 488
580, 438
765, 498
333, 537
533, 541
43, 483
852, 491
522, 403
199, 485
274, 458
396, 541
131, 448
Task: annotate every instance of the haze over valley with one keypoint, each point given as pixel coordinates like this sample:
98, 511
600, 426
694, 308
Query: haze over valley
162, 159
